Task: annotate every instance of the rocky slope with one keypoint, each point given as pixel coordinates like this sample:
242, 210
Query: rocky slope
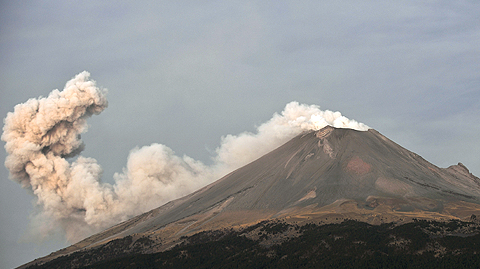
317, 177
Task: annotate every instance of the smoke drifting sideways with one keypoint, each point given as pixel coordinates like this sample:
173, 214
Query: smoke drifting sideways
43, 135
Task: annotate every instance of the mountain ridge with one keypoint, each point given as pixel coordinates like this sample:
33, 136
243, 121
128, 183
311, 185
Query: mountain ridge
319, 176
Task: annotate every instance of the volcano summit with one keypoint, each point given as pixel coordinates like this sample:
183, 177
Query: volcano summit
323, 176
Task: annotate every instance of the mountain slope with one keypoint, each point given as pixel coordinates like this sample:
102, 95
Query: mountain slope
319, 176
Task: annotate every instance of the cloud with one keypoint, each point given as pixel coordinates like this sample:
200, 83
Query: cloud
42, 136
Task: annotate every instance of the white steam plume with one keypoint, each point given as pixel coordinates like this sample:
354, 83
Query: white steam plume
238, 150
41, 134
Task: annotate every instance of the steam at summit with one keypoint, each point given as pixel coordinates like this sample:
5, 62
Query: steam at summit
43, 135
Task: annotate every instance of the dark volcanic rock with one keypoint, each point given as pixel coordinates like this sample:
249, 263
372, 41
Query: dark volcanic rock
270, 244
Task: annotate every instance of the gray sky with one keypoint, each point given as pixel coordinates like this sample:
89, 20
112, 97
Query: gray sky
186, 73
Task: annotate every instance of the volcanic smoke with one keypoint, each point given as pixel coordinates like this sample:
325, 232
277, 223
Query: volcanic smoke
42, 134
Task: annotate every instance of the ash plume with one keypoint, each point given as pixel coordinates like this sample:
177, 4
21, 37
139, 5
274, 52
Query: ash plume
42, 134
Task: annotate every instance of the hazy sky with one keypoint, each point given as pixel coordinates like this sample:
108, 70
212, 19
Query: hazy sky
186, 73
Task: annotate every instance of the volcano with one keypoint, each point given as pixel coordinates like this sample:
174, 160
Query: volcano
323, 176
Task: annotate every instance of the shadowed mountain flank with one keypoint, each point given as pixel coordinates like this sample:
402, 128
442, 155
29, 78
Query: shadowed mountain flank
320, 176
